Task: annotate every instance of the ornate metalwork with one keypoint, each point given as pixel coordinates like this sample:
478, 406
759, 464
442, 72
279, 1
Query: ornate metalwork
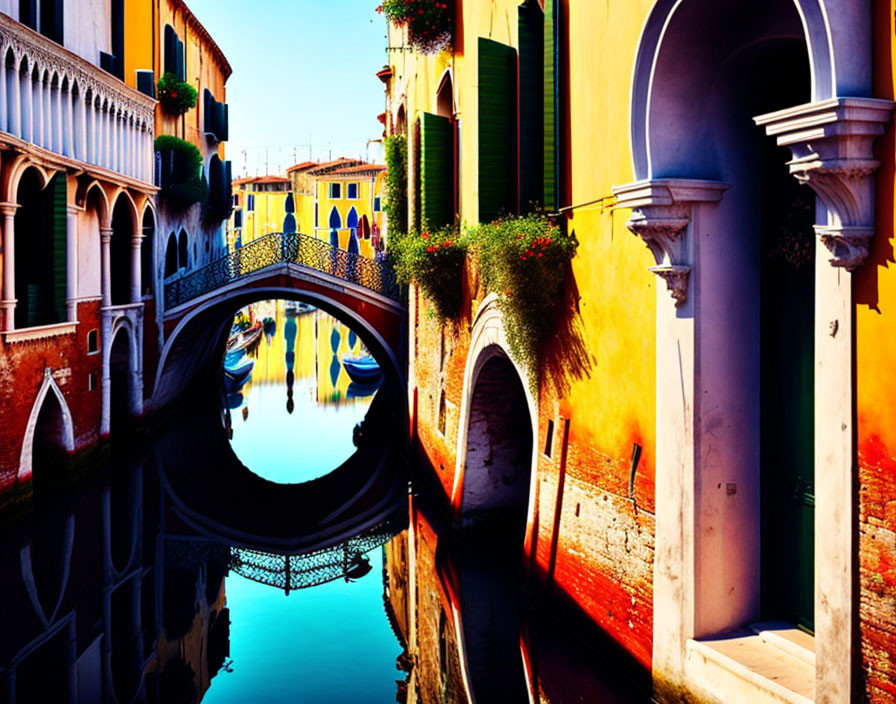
291, 572
279, 248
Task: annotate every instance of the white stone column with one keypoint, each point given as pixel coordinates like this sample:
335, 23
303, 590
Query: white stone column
136, 243
71, 262
4, 100
91, 131
115, 141
80, 138
106, 265
68, 127
38, 112
8, 210
133, 151
15, 101
57, 118
27, 90
106, 116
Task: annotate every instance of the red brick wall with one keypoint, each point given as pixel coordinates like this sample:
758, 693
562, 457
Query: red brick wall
603, 557
877, 569
22, 366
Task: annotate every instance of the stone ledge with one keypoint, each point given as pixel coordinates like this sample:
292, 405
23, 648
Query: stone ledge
743, 667
39, 333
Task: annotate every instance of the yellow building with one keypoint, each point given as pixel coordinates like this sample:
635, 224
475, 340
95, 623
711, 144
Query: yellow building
344, 196
714, 449
261, 205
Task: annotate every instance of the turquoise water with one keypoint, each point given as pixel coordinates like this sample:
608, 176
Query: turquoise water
330, 643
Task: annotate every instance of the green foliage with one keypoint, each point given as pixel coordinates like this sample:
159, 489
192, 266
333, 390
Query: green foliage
182, 181
524, 260
396, 151
430, 23
435, 261
176, 96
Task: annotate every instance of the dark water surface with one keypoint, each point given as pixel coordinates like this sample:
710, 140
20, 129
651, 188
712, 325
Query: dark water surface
262, 548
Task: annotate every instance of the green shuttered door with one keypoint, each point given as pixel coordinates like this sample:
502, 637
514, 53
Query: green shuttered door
497, 129
531, 32
58, 192
551, 103
437, 168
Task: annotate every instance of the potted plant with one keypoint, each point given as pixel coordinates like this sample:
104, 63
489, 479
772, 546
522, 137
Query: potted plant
182, 182
176, 96
435, 261
430, 23
524, 260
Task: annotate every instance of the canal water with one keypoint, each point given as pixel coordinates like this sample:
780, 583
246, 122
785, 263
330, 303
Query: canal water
275, 544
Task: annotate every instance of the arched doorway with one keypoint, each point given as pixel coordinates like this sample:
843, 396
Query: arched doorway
51, 440
122, 377
171, 256
498, 464
40, 250
123, 229
147, 252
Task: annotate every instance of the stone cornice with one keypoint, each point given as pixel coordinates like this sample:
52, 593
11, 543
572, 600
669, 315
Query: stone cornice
54, 58
661, 213
832, 146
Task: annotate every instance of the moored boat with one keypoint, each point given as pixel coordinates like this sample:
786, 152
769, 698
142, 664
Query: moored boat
362, 370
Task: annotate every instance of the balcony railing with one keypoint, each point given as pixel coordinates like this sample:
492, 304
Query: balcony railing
57, 100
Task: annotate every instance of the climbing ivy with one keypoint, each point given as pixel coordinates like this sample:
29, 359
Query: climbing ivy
396, 153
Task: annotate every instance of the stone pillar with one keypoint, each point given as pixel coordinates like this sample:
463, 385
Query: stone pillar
832, 147
58, 143
4, 104
68, 127
90, 132
27, 107
80, 134
136, 242
15, 102
106, 265
71, 264
38, 112
106, 158
115, 140
8, 210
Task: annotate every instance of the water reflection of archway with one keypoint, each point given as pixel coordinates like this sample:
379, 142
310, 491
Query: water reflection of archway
216, 495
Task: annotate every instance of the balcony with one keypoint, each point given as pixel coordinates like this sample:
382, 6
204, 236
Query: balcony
56, 100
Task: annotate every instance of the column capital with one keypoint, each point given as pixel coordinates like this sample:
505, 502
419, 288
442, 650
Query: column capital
832, 146
9, 209
72, 209
105, 235
661, 213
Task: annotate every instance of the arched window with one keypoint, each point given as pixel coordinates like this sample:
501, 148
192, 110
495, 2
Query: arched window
40, 246
147, 252
171, 255
183, 250
335, 219
122, 235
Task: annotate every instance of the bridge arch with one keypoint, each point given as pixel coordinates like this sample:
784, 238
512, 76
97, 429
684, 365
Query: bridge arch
498, 418
196, 345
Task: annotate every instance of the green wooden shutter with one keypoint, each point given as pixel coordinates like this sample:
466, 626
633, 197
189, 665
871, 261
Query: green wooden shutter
416, 214
58, 233
551, 103
497, 129
437, 169
531, 33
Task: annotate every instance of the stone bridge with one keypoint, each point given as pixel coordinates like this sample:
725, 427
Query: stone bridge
199, 306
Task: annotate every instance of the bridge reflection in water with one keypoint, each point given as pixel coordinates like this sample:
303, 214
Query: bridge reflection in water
136, 585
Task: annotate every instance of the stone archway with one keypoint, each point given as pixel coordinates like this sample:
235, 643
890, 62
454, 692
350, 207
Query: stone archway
49, 435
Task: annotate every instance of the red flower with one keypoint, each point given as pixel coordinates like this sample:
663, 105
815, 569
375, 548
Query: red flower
425, 235
173, 94
430, 249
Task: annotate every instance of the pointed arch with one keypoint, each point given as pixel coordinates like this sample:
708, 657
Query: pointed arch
15, 169
171, 255
335, 219
351, 222
88, 188
48, 391
445, 95
183, 250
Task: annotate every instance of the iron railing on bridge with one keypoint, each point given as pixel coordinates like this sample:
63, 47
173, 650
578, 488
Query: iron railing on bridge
279, 248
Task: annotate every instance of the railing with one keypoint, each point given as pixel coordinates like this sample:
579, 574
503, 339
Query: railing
63, 103
279, 248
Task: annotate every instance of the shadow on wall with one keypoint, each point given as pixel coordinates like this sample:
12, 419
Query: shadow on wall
566, 358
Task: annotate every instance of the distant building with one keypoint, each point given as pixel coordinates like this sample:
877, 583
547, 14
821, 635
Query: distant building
260, 207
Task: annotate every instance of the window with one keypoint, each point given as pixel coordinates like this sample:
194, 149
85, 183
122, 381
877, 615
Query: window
91, 381
549, 439
44, 16
335, 191
236, 200
93, 342
250, 205
352, 191
237, 218
174, 54
377, 205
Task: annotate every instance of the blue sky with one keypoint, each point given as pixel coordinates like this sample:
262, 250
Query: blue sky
303, 70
